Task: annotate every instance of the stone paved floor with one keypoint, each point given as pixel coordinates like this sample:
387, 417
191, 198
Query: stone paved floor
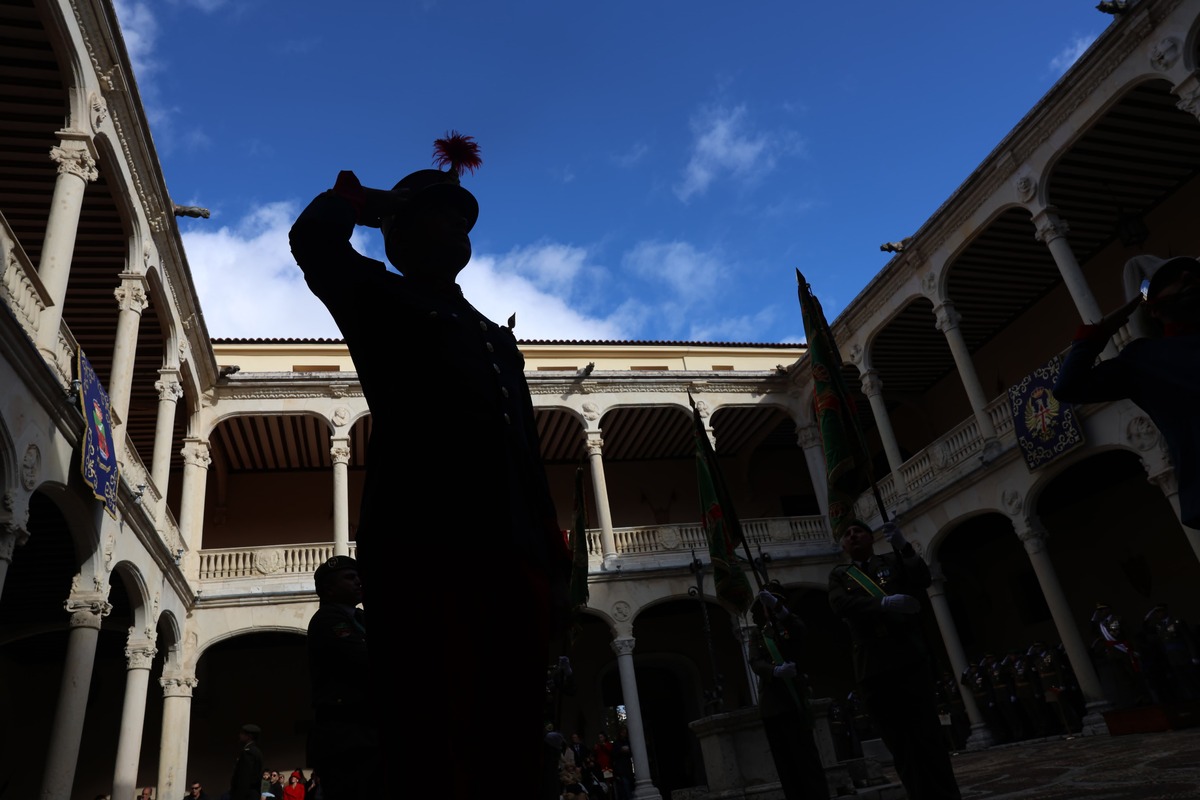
1149, 766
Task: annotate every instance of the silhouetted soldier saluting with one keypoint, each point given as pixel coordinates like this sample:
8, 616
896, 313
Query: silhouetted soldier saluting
455, 487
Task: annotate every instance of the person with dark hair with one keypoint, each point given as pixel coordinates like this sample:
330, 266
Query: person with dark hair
195, 792
1161, 375
783, 698
473, 438
343, 742
245, 783
877, 596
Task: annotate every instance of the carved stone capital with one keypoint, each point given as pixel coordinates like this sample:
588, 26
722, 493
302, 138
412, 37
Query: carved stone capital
178, 685
12, 536
131, 295
74, 159
196, 454
86, 612
808, 436
947, 316
1188, 93
169, 389
1033, 536
1050, 226
623, 646
1165, 479
340, 451
139, 654
872, 384
595, 444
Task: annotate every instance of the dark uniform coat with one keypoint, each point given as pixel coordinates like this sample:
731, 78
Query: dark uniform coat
342, 744
891, 664
246, 783
456, 514
787, 719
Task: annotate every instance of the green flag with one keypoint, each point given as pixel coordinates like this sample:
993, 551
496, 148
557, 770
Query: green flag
578, 593
720, 523
847, 462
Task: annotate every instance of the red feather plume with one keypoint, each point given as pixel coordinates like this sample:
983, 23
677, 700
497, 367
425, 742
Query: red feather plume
460, 152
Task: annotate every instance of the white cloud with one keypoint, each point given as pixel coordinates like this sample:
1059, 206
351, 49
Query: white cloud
140, 30
692, 274
248, 282
250, 286
632, 156
746, 328
1071, 53
722, 146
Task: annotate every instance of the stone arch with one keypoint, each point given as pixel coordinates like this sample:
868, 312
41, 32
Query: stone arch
255, 674
271, 479
1118, 534
138, 592
992, 590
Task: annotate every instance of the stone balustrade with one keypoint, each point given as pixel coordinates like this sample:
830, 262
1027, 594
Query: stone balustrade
21, 289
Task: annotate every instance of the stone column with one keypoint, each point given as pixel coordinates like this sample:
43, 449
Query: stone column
139, 656
173, 746
981, 737
195, 483
1166, 480
608, 544
340, 451
1034, 539
872, 387
643, 788
948, 319
169, 393
66, 732
1052, 230
76, 158
809, 440
131, 302
12, 536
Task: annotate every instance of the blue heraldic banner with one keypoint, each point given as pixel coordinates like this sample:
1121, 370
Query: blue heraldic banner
1045, 427
99, 465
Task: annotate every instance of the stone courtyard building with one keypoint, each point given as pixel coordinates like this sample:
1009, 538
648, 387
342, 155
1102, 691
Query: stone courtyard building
132, 646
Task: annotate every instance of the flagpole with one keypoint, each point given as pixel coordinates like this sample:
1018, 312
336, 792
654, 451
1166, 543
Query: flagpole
834, 397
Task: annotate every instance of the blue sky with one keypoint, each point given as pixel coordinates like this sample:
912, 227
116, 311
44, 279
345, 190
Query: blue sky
652, 170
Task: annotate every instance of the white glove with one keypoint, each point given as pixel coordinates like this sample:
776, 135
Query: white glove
767, 599
893, 534
901, 603
785, 670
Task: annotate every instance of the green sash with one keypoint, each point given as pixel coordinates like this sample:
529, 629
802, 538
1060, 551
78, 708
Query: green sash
864, 581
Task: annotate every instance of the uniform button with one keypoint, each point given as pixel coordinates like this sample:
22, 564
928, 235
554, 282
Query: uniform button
453, 315
507, 420
504, 391
497, 368
432, 314
490, 348
482, 325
